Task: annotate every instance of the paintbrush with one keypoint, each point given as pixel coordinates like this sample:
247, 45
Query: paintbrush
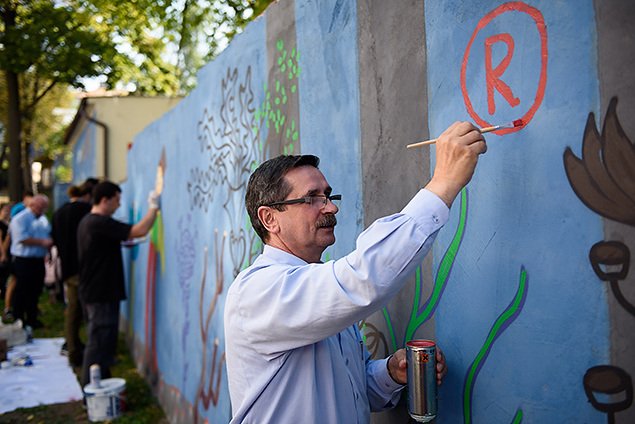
513, 124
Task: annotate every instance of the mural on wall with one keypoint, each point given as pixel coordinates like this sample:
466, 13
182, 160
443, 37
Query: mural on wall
134, 215
419, 314
517, 223
232, 148
494, 83
209, 385
604, 180
156, 252
279, 110
186, 258
506, 69
376, 341
235, 140
502, 322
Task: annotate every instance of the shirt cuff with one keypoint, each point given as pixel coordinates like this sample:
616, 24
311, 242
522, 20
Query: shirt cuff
385, 381
428, 210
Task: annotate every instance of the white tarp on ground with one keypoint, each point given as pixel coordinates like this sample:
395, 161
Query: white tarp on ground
49, 380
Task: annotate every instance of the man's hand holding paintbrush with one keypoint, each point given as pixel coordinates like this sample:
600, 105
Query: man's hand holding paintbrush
457, 153
514, 124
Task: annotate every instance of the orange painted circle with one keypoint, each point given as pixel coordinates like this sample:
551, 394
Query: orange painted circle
542, 82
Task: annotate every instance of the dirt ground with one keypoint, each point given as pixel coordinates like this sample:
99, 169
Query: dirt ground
60, 413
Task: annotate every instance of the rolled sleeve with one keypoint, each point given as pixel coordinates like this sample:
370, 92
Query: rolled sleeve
383, 391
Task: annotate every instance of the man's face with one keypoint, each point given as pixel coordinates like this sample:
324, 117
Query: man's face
113, 203
307, 229
38, 206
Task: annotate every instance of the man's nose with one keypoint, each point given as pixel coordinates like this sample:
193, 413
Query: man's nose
330, 207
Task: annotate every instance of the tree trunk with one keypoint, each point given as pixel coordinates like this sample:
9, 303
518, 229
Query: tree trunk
16, 183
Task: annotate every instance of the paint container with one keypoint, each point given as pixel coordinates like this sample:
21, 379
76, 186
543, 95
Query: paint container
107, 401
422, 380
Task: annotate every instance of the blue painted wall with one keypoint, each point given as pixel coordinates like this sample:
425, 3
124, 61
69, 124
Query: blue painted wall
521, 315
521, 214
85, 154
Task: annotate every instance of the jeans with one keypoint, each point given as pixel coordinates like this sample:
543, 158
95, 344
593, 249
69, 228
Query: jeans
72, 321
103, 330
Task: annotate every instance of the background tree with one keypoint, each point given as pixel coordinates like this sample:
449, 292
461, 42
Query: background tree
203, 28
147, 46
47, 43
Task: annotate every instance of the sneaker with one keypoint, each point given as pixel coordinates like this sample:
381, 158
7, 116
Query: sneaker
7, 316
64, 349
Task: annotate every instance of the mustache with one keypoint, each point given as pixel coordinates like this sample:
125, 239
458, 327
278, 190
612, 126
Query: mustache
327, 221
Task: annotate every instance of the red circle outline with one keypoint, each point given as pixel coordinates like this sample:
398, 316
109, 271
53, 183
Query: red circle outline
542, 82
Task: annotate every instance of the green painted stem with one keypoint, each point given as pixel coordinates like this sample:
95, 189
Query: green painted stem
442, 275
494, 332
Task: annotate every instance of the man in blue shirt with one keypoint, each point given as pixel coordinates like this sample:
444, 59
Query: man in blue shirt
30, 242
293, 349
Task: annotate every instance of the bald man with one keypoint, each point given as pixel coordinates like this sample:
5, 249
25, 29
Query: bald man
30, 241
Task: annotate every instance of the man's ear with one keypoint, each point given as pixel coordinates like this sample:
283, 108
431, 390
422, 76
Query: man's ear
268, 218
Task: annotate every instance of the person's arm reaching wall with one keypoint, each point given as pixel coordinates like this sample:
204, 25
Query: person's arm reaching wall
142, 227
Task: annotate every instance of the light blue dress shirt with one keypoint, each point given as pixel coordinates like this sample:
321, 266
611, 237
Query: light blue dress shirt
293, 350
26, 225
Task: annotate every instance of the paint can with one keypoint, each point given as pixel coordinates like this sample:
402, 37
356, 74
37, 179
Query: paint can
107, 401
95, 375
422, 379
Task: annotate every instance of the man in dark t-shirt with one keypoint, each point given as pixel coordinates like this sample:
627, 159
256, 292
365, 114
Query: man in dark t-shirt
65, 222
101, 277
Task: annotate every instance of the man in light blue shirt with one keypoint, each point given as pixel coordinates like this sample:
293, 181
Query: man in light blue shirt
30, 241
294, 352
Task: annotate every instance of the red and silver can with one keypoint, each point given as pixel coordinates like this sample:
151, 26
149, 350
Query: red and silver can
422, 379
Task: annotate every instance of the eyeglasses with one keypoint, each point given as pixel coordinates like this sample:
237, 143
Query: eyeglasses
319, 200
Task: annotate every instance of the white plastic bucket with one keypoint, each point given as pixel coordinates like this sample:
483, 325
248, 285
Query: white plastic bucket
105, 402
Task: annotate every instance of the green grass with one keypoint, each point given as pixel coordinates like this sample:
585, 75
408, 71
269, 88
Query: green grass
141, 405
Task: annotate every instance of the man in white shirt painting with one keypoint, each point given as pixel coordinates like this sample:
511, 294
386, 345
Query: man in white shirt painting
294, 352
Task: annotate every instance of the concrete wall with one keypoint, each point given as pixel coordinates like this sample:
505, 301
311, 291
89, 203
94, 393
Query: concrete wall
531, 330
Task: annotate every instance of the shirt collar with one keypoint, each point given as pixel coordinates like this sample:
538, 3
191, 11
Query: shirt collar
280, 256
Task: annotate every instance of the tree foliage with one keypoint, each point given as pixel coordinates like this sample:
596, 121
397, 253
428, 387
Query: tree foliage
151, 46
202, 29
49, 43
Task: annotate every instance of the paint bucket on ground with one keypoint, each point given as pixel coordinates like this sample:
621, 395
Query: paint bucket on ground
106, 401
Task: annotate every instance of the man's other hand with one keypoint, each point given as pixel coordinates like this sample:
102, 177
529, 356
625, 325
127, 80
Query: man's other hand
398, 366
